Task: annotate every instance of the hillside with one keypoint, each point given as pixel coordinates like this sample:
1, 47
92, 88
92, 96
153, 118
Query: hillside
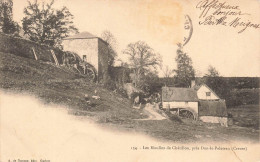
59, 85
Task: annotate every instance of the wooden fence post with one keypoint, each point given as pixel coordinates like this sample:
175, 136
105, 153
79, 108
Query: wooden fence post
35, 56
54, 57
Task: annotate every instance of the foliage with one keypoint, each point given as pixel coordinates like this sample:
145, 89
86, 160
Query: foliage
212, 72
44, 24
167, 75
243, 97
120, 74
150, 83
109, 38
173, 117
213, 80
109, 84
218, 85
243, 82
184, 72
7, 25
236, 82
234, 90
121, 91
142, 59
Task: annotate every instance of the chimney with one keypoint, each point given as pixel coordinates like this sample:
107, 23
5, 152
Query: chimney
192, 83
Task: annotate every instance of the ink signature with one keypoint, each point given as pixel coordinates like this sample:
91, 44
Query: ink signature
223, 14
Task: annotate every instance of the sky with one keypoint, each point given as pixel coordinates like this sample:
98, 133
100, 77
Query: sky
161, 25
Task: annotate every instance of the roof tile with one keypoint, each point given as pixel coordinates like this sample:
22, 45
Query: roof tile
178, 94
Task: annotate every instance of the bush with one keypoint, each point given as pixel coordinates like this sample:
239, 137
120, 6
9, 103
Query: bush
243, 97
173, 117
122, 92
109, 84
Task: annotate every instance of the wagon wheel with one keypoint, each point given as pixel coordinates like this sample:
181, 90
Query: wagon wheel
186, 114
88, 71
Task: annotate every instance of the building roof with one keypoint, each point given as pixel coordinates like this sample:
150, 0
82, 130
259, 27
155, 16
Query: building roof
170, 94
83, 35
197, 87
213, 108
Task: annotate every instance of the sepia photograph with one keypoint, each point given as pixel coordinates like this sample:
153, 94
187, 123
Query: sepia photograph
129, 80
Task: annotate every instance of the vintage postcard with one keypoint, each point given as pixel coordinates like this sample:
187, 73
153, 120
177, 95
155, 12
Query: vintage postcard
129, 80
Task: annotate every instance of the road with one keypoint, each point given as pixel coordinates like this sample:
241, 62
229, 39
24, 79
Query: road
153, 115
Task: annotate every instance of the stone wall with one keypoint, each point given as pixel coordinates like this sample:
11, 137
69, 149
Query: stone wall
103, 60
223, 121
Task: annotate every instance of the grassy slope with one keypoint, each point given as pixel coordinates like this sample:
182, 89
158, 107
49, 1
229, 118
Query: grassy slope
61, 86
246, 115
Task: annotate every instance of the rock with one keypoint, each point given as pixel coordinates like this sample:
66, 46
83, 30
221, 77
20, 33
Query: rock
198, 136
96, 97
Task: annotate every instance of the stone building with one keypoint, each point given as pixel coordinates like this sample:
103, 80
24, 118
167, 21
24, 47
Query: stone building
180, 99
212, 109
91, 49
198, 102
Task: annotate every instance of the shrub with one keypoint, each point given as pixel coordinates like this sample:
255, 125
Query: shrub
109, 84
243, 97
173, 117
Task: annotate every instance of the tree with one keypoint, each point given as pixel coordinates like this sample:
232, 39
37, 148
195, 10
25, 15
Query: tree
151, 83
217, 83
212, 72
185, 71
142, 59
213, 80
7, 25
46, 25
109, 38
167, 72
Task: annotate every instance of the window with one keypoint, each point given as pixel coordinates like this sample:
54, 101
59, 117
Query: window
208, 93
84, 57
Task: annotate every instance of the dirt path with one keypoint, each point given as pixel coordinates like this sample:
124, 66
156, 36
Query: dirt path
153, 115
